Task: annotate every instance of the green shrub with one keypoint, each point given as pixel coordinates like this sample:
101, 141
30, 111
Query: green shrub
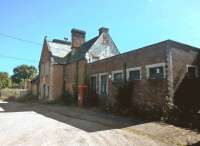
58, 101
75, 92
124, 95
26, 98
168, 109
68, 98
92, 99
179, 116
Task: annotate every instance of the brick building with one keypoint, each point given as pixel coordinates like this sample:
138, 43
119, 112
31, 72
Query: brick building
157, 71
63, 63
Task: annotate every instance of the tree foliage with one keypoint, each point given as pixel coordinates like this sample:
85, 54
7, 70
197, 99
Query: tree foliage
4, 80
23, 72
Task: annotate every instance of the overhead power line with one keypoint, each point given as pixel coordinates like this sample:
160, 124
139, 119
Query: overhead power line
19, 39
16, 58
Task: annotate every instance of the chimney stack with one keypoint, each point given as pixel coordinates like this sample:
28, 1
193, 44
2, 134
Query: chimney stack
103, 30
78, 38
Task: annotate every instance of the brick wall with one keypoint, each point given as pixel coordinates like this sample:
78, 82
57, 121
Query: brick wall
44, 78
51, 77
34, 90
58, 80
181, 57
70, 74
186, 90
147, 93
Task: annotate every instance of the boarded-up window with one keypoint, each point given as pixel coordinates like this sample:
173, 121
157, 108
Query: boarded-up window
156, 72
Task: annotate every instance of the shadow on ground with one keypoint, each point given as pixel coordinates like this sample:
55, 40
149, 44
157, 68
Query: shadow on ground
88, 121
196, 144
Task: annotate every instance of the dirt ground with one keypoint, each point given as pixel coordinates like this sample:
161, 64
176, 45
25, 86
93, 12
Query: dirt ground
45, 125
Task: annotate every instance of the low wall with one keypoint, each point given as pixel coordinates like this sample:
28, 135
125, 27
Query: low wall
6, 93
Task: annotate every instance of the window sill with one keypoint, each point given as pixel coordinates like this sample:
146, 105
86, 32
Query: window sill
134, 80
117, 81
156, 79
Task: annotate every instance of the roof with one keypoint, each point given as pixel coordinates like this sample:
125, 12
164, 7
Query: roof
167, 43
173, 43
81, 52
35, 80
61, 51
58, 49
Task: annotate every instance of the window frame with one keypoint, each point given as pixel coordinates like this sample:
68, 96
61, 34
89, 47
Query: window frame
196, 69
116, 72
101, 74
47, 68
134, 69
96, 76
148, 67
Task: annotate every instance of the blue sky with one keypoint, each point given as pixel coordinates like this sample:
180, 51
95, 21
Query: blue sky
132, 23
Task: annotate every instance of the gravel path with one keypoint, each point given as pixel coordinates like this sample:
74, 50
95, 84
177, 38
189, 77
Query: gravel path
40, 125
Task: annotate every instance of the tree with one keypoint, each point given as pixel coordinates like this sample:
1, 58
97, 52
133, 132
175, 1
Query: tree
23, 73
4, 80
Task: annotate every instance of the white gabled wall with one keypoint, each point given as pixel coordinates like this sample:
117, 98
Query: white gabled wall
104, 47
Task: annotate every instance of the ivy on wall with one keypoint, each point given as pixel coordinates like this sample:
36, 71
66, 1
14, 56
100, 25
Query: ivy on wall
75, 84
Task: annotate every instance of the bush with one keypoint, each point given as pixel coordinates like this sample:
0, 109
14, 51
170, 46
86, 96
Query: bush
68, 98
179, 116
27, 98
168, 109
58, 101
92, 98
124, 95
12, 94
75, 93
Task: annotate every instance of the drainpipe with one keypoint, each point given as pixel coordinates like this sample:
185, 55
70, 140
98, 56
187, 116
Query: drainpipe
170, 73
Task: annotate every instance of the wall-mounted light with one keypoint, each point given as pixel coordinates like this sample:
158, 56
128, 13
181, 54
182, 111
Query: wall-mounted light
110, 76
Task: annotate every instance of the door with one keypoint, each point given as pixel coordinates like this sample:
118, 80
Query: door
103, 89
93, 84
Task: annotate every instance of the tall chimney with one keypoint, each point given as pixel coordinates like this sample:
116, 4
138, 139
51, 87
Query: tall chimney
103, 30
78, 38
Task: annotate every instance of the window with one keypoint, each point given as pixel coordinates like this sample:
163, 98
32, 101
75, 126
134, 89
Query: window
103, 84
95, 58
46, 90
156, 71
118, 77
42, 69
134, 75
192, 71
46, 65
